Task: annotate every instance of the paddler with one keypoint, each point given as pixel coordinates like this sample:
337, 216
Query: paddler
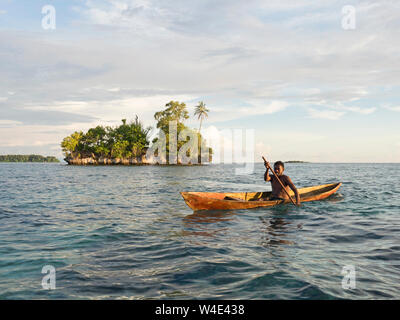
277, 191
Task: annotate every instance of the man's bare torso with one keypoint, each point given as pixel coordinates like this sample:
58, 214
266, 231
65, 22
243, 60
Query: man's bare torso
277, 190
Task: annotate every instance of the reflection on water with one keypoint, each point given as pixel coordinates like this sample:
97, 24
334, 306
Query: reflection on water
275, 230
206, 223
209, 216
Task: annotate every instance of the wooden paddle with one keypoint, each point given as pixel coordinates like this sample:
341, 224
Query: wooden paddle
279, 180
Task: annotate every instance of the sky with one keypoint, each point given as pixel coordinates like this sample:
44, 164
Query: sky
311, 88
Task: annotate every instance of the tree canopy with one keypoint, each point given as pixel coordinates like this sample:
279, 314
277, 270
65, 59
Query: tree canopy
177, 113
201, 112
174, 111
126, 140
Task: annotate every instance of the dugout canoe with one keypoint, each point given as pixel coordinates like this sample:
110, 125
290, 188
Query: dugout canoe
247, 200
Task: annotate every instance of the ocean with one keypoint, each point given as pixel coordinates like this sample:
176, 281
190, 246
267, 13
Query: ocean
115, 232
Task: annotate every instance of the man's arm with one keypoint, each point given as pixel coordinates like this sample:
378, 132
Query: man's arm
266, 175
294, 189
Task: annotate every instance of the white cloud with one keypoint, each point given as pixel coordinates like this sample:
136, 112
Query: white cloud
222, 142
242, 58
259, 108
111, 112
37, 136
311, 91
9, 123
361, 110
325, 114
114, 90
261, 149
140, 16
395, 108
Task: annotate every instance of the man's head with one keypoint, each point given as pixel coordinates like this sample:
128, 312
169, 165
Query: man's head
279, 167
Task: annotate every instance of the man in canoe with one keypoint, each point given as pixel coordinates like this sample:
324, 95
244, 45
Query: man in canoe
277, 191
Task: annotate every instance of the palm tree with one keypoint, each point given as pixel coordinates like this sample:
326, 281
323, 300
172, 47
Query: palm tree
202, 112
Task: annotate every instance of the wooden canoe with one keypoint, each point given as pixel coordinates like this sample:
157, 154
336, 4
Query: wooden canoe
247, 200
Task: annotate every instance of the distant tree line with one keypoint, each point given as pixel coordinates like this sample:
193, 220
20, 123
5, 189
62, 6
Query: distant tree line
296, 161
27, 158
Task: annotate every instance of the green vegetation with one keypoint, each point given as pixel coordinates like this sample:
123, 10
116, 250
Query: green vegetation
201, 112
27, 158
123, 141
128, 141
176, 111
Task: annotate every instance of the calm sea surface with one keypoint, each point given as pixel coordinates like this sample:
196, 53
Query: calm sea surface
125, 232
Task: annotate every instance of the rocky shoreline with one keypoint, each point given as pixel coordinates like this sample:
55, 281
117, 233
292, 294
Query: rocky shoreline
142, 160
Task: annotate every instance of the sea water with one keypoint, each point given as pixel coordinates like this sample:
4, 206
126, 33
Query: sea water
115, 232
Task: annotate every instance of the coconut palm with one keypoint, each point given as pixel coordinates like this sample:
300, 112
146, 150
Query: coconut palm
202, 112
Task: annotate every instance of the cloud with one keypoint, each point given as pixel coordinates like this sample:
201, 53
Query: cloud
123, 57
261, 149
44, 139
9, 123
337, 96
259, 108
229, 146
395, 108
140, 16
114, 90
361, 110
111, 111
325, 114
32, 116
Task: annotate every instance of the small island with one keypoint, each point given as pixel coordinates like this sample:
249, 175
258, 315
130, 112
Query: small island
296, 161
27, 158
129, 142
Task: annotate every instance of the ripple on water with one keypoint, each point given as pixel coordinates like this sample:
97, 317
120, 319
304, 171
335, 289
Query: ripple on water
125, 232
